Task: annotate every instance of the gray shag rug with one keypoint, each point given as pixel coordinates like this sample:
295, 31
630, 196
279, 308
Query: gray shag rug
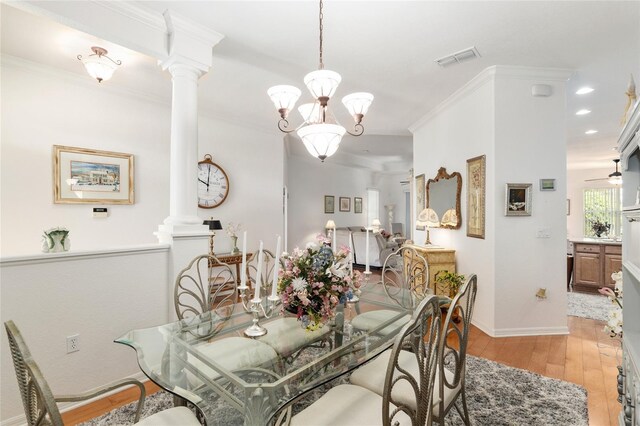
585, 305
497, 395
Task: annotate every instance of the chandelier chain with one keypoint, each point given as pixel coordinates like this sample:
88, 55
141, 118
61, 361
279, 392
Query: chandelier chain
321, 16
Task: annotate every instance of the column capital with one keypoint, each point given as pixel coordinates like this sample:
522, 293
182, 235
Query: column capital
189, 43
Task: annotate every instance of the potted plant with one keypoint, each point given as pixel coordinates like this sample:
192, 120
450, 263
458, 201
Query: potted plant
452, 280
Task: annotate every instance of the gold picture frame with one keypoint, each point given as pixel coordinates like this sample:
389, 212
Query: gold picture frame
89, 176
476, 182
421, 189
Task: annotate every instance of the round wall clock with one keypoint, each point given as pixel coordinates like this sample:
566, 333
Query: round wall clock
213, 184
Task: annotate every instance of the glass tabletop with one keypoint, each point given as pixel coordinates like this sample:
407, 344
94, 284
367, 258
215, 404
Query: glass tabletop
205, 358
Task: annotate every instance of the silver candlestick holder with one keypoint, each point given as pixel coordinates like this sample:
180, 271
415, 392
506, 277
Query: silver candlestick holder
256, 308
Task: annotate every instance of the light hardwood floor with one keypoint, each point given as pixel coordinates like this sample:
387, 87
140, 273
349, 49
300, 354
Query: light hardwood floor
587, 356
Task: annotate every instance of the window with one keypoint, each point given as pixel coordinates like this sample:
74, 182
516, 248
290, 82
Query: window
603, 205
373, 205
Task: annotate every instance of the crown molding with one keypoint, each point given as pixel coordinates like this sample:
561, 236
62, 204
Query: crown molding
490, 74
137, 13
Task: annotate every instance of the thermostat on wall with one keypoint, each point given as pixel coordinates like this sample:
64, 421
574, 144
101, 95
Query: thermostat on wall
100, 212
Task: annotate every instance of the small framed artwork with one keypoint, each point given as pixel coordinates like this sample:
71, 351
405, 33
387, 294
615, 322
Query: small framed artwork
357, 204
476, 173
329, 204
345, 204
547, 184
518, 199
420, 198
89, 176
568, 207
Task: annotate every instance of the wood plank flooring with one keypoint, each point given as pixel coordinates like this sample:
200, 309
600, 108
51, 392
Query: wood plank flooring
587, 356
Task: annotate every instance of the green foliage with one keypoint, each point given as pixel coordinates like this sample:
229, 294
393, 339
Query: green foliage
452, 279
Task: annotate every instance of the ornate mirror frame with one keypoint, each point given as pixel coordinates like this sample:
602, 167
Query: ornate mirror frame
443, 175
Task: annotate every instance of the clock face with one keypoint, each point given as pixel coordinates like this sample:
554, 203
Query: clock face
213, 185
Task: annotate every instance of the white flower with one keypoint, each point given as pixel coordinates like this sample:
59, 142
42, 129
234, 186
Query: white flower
299, 284
339, 269
311, 245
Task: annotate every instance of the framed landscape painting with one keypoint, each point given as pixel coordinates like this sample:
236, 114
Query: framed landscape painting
88, 176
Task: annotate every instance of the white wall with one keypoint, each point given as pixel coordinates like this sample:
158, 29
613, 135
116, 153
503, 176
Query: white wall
575, 187
99, 296
392, 192
523, 140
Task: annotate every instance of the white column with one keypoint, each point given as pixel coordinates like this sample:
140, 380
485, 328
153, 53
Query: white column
183, 204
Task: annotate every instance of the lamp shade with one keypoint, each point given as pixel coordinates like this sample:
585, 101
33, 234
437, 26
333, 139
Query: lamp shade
213, 224
322, 83
429, 218
358, 104
99, 67
310, 112
449, 218
376, 222
330, 224
321, 140
284, 97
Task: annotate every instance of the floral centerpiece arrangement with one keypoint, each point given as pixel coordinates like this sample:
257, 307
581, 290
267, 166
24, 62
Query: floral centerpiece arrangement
232, 231
315, 280
600, 228
614, 323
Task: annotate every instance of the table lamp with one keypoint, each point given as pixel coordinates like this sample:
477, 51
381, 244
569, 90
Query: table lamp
429, 219
449, 218
213, 225
330, 227
375, 225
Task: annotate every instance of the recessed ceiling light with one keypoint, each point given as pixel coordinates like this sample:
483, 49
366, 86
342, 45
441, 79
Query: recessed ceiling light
584, 90
590, 132
583, 112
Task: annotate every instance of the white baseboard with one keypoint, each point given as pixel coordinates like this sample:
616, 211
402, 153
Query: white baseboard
21, 420
515, 332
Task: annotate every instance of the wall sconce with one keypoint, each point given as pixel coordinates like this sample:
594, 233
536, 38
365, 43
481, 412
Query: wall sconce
99, 65
213, 225
541, 293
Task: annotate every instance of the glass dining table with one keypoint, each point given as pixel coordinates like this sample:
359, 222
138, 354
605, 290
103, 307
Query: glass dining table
176, 357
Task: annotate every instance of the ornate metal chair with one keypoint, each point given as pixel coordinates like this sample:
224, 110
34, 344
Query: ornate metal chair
40, 404
208, 287
406, 399
452, 349
453, 352
285, 335
404, 279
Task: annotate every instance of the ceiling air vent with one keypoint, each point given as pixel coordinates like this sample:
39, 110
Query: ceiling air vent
461, 56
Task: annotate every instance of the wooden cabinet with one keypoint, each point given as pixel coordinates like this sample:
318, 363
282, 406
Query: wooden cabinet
437, 260
593, 265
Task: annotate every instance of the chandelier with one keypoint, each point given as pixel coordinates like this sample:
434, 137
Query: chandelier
99, 65
320, 132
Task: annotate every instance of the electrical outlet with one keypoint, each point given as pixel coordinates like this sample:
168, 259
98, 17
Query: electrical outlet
73, 343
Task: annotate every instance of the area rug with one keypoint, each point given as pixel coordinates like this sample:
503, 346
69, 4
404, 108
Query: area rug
497, 395
594, 306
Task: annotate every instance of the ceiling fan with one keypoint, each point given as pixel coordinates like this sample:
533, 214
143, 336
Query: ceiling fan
614, 178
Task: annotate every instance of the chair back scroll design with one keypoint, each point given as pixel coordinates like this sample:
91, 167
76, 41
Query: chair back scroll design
206, 284
38, 400
453, 348
405, 276
266, 275
420, 337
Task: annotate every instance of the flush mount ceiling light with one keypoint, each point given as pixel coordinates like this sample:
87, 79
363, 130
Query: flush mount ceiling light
320, 132
99, 65
583, 112
584, 90
591, 132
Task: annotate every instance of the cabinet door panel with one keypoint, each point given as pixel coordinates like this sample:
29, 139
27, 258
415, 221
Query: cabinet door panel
588, 269
612, 263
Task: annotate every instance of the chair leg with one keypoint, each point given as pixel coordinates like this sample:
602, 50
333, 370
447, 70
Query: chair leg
464, 413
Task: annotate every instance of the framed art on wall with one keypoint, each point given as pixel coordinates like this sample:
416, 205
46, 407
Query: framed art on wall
329, 204
420, 197
476, 167
345, 204
518, 199
89, 176
357, 204
547, 184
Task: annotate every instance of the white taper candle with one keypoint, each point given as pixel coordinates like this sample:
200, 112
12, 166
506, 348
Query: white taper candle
350, 254
334, 245
259, 273
276, 268
243, 271
366, 252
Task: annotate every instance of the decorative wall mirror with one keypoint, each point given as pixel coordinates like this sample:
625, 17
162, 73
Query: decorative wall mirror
443, 196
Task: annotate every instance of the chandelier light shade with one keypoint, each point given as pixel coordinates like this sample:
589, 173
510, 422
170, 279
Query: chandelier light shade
615, 178
320, 132
99, 65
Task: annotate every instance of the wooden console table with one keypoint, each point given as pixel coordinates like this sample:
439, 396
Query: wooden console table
232, 259
437, 260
